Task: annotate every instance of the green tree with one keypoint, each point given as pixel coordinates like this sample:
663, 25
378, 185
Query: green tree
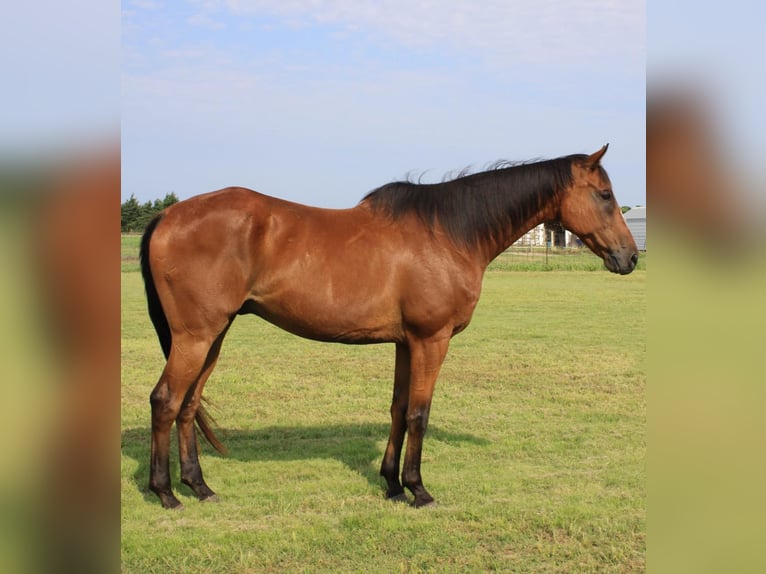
148, 211
130, 211
136, 216
169, 199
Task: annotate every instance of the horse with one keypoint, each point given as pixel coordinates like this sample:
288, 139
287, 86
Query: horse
404, 266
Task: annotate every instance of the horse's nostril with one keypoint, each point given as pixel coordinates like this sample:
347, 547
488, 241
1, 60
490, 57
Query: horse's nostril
634, 259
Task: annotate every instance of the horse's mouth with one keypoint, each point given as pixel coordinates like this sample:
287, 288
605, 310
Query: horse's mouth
620, 263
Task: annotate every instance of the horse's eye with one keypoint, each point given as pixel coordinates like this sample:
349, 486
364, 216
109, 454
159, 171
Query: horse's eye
605, 194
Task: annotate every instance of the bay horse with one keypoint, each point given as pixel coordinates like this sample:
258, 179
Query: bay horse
404, 266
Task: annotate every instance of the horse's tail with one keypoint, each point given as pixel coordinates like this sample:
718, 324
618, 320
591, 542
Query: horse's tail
161, 326
156, 313
204, 420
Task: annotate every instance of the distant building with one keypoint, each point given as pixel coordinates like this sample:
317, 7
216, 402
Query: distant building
535, 237
636, 220
551, 234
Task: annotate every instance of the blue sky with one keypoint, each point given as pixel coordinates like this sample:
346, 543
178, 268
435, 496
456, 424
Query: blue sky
321, 101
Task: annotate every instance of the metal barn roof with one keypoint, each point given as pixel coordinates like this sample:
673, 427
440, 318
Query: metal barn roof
635, 213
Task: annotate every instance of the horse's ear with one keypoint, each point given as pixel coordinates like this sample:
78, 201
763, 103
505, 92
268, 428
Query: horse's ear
594, 158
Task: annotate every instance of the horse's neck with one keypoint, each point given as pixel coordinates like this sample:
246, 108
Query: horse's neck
495, 245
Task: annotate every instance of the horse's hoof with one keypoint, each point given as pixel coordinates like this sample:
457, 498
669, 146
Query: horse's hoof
401, 497
169, 501
428, 503
211, 498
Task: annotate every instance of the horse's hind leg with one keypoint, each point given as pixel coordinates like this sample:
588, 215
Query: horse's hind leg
191, 471
389, 469
185, 364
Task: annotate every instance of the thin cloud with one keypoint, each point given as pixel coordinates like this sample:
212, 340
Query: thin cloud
145, 4
530, 31
205, 21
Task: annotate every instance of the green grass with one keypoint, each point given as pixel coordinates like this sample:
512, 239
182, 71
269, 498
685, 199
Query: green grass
535, 449
129, 246
556, 259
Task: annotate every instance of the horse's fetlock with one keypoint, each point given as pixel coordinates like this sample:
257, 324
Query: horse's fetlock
411, 479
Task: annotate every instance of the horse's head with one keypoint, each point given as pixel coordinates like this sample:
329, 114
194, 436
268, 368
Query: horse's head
590, 211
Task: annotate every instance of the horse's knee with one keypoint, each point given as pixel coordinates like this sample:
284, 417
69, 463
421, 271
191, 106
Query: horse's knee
398, 410
417, 419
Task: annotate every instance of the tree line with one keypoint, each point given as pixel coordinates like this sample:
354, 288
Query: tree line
135, 216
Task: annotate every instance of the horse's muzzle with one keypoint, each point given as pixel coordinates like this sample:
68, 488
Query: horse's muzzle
622, 262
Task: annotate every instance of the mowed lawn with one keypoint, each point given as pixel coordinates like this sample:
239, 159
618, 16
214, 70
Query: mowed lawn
535, 450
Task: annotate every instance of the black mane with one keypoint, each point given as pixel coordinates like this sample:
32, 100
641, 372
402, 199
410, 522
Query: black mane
474, 206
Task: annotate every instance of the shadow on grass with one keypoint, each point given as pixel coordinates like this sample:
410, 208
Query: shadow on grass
354, 445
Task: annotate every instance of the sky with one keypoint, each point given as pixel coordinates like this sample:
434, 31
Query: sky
321, 101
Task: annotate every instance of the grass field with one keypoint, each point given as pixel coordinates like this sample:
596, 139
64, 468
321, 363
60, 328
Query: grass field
535, 450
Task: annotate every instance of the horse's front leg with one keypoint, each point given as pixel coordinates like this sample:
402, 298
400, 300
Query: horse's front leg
389, 469
426, 357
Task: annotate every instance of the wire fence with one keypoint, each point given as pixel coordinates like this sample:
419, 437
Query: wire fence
551, 258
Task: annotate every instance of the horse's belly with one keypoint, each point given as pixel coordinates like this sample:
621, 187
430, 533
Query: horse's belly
351, 297
349, 321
